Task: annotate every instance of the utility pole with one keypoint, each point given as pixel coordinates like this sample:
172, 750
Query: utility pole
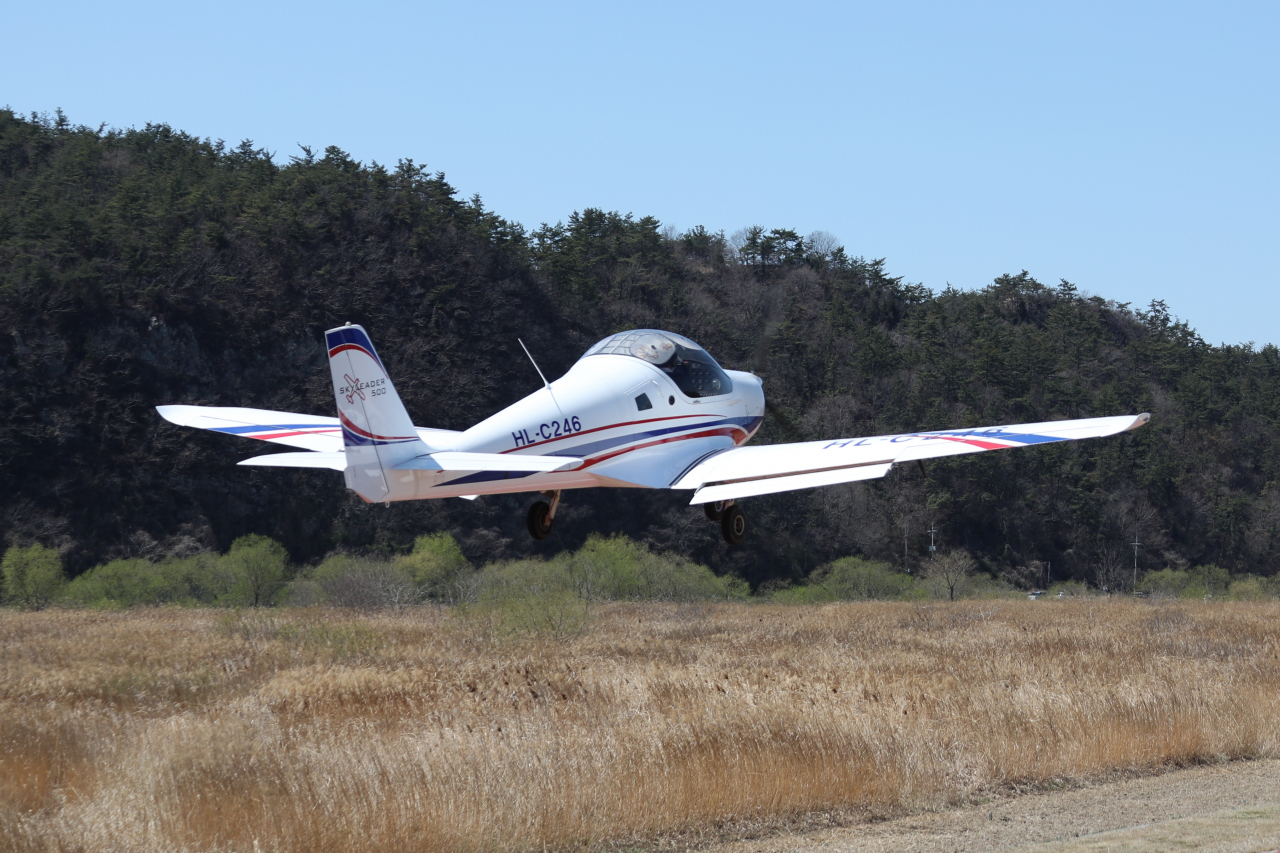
906, 528
1136, 546
933, 531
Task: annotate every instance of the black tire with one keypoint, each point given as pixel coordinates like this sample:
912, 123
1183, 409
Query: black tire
713, 510
733, 524
539, 520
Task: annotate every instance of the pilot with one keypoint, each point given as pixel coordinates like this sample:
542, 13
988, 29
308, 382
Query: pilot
655, 349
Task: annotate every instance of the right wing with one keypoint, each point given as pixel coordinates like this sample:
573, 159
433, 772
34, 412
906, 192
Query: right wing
743, 472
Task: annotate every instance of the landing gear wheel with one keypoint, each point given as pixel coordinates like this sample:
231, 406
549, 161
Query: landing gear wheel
540, 520
733, 524
714, 510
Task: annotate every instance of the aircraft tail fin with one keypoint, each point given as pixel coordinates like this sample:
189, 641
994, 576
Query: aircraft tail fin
377, 432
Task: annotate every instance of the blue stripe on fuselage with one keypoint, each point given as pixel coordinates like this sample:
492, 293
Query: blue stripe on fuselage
591, 448
488, 476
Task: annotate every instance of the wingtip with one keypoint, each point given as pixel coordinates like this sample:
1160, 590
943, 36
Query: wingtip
1140, 420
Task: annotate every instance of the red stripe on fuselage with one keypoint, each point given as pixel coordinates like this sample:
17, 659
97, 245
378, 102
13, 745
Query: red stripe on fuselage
611, 426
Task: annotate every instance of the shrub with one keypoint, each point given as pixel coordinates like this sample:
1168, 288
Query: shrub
529, 597
615, 568
1199, 582
126, 583
32, 576
1248, 588
439, 569
854, 578
207, 579
258, 564
1068, 589
349, 581
119, 582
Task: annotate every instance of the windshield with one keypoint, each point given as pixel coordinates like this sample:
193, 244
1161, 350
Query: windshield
695, 372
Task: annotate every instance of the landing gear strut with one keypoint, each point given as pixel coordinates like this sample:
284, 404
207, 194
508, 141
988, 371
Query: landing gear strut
733, 523
542, 516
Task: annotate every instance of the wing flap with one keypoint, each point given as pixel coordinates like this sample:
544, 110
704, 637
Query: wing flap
771, 485
337, 460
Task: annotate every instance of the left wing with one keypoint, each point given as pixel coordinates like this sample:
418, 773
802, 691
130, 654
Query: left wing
742, 472
310, 432
443, 460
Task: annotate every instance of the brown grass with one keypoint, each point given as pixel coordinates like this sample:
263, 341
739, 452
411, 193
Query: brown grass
206, 730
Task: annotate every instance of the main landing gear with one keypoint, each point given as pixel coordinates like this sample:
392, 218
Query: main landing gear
542, 516
733, 522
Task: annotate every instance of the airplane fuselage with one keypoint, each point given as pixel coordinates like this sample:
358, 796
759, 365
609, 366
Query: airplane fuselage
644, 437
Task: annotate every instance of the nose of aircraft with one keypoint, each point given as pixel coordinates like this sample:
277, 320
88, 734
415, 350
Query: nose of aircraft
757, 395
752, 389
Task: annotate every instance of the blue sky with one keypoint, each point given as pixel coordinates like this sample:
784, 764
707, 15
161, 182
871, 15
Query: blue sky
1130, 148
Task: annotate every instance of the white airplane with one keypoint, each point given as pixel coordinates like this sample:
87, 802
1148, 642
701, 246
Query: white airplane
642, 409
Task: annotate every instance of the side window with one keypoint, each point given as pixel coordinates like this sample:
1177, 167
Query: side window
642, 402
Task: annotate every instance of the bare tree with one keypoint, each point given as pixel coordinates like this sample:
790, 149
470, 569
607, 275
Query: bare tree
950, 570
824, 243
1110, 568
370, 583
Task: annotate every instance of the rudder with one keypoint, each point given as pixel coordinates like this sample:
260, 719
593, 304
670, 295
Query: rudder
377, 432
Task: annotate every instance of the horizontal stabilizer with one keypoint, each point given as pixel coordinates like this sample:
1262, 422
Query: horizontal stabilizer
310, 432
337, 460
449, 460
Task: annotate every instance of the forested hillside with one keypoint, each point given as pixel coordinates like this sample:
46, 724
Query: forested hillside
147, 266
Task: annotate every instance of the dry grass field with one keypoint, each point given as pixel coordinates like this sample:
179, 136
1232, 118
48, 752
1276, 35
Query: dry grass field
419, 730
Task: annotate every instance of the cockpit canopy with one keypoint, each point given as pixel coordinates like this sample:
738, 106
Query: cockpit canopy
695, 372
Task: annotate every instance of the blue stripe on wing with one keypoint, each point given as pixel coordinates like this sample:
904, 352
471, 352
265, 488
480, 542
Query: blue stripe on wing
1020, 437
241, 430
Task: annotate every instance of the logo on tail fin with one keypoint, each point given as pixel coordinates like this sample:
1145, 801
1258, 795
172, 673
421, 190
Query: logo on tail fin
354, 386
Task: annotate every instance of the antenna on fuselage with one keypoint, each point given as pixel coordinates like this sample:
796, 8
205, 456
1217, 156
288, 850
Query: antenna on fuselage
535, 364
